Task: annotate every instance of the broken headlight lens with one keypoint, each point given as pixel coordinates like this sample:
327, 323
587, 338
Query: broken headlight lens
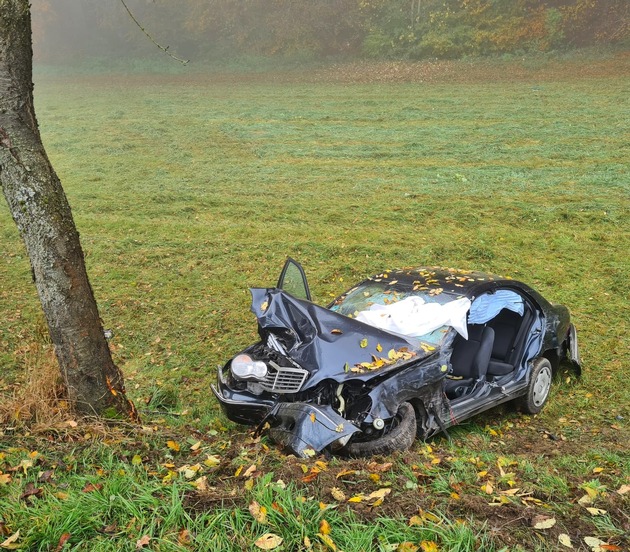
245, 367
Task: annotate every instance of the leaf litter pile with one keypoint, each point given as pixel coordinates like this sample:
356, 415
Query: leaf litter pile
433, 490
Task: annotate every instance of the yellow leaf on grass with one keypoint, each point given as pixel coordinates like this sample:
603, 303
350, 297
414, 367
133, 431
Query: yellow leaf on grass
258, 512
324, 527
429, 546
327, 541
565, 540
623, 489
415, 521
5, 478
407, 547
238, 471
590, 491
136, 460
173, 445
598, 470
268, 541
212, 461
11, 542
543, 522
356, 498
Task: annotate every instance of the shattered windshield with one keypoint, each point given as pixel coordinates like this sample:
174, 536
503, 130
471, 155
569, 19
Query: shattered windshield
426, 315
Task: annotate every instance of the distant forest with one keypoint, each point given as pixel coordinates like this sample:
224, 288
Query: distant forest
70, 30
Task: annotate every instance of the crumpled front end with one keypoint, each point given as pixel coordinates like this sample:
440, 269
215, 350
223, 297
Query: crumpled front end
307, 429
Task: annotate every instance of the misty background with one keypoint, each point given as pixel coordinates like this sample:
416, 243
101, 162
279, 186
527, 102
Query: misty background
75, 31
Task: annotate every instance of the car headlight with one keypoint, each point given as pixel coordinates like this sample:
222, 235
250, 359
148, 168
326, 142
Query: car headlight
245, 367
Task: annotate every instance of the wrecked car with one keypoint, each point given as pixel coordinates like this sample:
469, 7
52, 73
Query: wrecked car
403, 354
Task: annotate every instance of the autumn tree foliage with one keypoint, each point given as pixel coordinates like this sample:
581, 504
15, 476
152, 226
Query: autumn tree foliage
211, 29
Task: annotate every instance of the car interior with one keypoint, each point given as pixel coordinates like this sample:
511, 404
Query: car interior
491, 353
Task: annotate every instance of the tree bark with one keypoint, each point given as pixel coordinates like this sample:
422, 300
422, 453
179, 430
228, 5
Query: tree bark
41, 211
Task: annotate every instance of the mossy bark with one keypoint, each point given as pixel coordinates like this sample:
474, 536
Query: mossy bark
41, 211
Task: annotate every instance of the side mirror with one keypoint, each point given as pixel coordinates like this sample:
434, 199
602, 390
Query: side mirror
293, 280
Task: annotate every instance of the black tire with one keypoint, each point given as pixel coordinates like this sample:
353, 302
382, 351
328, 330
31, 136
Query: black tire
538, 387
400, 437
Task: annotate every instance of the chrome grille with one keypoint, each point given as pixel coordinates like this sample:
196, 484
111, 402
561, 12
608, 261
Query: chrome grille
281, 379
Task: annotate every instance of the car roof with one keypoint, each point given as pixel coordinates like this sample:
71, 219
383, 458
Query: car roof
468, 283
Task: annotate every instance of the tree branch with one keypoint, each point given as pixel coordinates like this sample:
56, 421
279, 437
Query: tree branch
164, 49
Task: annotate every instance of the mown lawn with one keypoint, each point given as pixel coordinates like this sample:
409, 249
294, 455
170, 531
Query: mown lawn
188, 189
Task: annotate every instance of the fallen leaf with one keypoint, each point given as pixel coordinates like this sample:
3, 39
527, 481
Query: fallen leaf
184, 537
30, 490
363, 343
324, 527
407, 547
596, 511
136, 460
211, 461
338, 494
249, 471
313, 418
258, 512
541, 522
598, 470
327, 541
11, 542
142, 542
623, 489
429, 546
5, 478
196, 446
91, 487
595, 544
173, 445
62, 541
264, 306
268, 541
565, 540
585, 500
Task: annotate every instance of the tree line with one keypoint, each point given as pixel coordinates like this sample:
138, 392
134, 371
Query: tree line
388, 29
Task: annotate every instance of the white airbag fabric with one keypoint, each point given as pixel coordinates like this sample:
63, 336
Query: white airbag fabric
414, 317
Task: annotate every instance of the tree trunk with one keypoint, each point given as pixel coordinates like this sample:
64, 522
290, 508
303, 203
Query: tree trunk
41, 211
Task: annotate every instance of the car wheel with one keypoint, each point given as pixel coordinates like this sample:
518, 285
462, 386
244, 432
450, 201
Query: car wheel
399, 437
538, 387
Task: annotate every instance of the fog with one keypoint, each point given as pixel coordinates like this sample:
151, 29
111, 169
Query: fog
76, 31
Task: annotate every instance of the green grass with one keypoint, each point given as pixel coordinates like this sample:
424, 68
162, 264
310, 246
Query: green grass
188, 191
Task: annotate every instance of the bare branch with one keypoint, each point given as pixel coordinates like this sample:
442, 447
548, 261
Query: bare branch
164, 49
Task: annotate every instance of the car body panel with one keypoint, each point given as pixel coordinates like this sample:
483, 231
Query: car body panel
362, 374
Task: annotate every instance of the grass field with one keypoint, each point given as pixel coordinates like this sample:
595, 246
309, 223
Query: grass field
189, 188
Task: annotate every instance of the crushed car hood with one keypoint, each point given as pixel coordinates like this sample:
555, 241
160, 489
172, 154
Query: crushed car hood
328, 344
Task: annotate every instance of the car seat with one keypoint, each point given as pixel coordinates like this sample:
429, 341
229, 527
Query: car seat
469, 360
